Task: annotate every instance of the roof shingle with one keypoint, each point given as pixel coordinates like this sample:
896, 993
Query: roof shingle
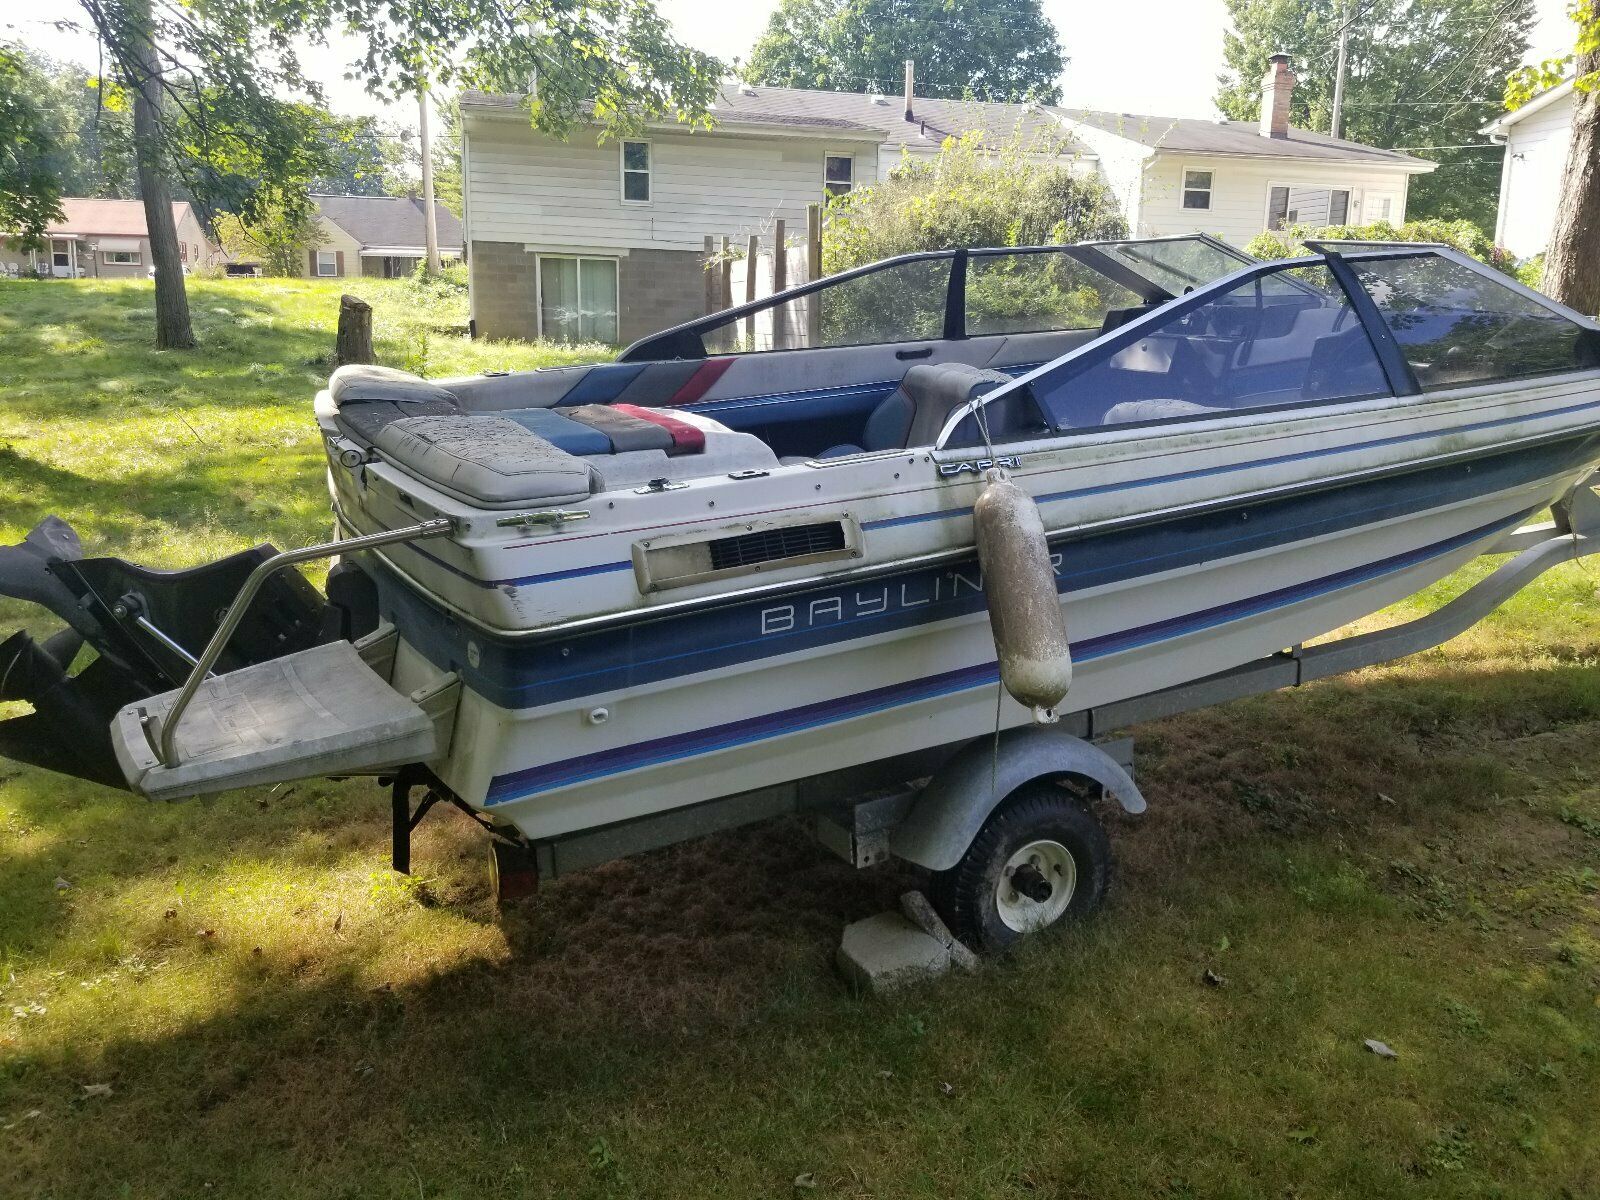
389, 220
88, 217
1242, 138
856, 112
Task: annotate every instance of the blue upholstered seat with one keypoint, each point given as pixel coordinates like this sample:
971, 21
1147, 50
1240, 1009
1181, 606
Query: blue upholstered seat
572, 436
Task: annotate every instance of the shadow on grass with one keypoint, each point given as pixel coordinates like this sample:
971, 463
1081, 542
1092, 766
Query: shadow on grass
700, 973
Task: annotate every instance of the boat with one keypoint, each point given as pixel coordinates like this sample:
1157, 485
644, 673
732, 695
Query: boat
733, 573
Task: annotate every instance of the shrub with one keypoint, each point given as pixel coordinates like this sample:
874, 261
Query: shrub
452, 276
970, 195
1463, 235
1531, 273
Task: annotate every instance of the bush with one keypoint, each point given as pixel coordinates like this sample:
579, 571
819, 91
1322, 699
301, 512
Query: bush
969, 195
1463, 235
452, 276
1531, 273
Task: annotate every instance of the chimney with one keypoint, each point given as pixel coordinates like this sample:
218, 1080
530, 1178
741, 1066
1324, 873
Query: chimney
911, 70
1276, 88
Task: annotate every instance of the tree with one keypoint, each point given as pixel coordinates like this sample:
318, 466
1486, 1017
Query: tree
447, 157
30, 193
1572, 260
970, 195
978, 49
364, 156
1424, 76
278, 237
203, 77
92, 151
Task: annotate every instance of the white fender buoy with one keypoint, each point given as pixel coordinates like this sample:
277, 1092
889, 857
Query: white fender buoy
1019, 584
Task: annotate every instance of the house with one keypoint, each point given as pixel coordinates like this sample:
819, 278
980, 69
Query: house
1237, 179
106, 239
1536, 138
376, 235
582, 240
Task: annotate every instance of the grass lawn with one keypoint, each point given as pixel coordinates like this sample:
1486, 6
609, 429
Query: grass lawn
236, 997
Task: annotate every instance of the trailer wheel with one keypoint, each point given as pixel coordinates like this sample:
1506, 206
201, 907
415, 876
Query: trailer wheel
513, 872
1040, 858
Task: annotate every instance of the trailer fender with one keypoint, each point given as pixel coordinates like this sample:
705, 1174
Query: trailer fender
954, 806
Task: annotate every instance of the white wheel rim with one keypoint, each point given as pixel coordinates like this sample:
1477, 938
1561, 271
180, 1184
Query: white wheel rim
1055, 865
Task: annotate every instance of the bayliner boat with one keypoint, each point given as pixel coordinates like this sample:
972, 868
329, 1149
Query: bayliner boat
733, 574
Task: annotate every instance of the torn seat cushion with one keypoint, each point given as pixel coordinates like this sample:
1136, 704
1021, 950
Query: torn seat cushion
491, 462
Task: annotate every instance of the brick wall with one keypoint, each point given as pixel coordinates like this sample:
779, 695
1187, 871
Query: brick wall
504, 299
656, 289
659, 289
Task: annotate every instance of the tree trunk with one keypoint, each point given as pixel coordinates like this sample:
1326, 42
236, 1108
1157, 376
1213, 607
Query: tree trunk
173, 330
1572, 261
354, 343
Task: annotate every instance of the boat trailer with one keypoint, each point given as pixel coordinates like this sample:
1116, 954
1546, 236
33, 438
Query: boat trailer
925, 807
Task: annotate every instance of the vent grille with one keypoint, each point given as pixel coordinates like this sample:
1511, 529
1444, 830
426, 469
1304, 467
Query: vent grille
791, 541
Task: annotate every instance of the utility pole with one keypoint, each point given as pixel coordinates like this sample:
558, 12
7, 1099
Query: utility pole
1338, 74
430, 218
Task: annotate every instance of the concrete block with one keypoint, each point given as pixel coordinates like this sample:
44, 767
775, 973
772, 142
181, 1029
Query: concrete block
886, 952
919, 911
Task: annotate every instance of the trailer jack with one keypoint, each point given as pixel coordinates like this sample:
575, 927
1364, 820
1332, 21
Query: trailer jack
516, 874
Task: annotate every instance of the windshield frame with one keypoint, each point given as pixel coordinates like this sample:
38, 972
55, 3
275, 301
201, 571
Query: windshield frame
686, 340
1402, 380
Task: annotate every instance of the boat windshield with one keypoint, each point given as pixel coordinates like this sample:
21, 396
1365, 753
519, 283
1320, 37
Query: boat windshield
1176, 264
1309, 330
953, 295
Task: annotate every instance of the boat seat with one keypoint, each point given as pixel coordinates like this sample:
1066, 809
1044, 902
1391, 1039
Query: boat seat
490, 462
366, 381
914, 414
1129, 412
561, 431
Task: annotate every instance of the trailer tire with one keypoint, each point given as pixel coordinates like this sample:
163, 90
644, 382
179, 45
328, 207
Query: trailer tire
1043, 830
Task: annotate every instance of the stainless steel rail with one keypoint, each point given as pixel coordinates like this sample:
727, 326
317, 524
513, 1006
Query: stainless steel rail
168, 745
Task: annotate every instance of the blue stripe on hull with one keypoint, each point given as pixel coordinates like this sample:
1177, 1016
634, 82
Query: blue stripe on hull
530, 782
647, 650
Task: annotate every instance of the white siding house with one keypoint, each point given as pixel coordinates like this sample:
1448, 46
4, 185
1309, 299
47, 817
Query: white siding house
586, 239
583, 239
1536, 137
1238, 178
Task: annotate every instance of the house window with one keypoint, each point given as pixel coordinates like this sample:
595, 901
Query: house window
1385, 208
838, 174
1197, 190
577, 299
1278, 208
120, 258
327, 263
636, 172
1306, 204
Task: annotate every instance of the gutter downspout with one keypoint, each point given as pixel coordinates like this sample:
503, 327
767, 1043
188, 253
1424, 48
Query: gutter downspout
1504, 139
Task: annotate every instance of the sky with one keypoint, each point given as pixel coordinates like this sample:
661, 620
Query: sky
1145, 56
